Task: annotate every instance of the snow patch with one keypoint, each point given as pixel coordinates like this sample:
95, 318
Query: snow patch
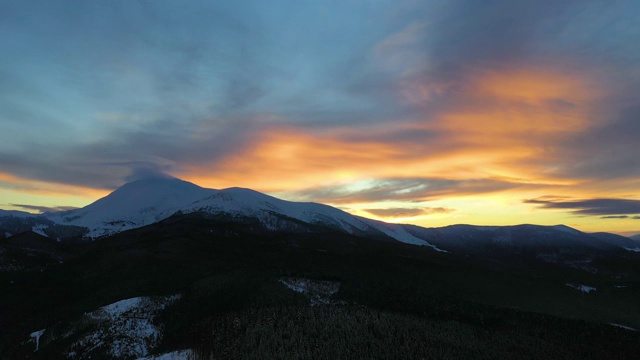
584, 288
397, 232
318, 292
36, 336
174, 355
623, 327
8, 234
125, 328
635, 249
39, 229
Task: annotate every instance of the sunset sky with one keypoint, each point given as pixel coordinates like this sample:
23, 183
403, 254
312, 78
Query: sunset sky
425, 112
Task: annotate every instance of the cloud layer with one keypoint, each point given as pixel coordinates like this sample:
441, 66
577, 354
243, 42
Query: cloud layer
608, 208
346, 103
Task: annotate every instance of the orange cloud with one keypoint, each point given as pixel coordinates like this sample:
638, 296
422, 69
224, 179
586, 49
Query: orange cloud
535, 85
513, 119
498, 133
522, 101
284, 158
292, 159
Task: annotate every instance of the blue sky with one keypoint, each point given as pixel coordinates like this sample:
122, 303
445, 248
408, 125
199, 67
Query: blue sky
431, 112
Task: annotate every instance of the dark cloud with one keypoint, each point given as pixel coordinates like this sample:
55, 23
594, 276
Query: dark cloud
81, 170
637, 217
147, 171
495, 31
608, 151
44, 209
408, 212
162, 147
610, 208
413, 189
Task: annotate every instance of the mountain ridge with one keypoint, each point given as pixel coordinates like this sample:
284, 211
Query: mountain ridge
146, 201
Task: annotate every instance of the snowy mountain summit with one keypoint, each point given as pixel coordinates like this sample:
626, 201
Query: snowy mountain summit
133, 205
147, 201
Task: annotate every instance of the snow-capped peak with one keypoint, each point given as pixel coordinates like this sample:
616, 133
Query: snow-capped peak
135, 204
150, 200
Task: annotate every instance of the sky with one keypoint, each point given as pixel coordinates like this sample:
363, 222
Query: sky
493, 112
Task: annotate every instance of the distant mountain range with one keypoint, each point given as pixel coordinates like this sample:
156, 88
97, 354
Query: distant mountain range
148, 201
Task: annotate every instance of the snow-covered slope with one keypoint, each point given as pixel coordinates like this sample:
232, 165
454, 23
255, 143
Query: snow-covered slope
126, 329
147, 201
246, 202
270, 210
144, 202
133, 205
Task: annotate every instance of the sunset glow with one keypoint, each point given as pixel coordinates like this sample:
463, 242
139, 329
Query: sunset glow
402, 111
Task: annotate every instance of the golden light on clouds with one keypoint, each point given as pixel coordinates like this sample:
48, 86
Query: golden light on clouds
495, 136
394, 107
484, 151
47, 188
16, 190
535, 85
500, 136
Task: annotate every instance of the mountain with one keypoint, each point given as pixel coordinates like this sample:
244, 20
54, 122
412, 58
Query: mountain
619, 241
133, 205
14, 213
29, 250
215, 286
635, 237
519, 238
17, 222
147, 201
273, 213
